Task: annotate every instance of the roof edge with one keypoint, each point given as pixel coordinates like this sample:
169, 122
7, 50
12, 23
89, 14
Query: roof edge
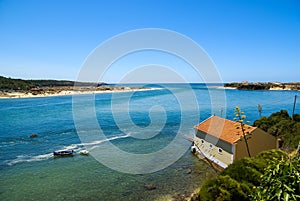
204, 121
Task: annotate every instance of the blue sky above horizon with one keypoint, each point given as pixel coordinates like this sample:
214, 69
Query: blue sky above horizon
254, 40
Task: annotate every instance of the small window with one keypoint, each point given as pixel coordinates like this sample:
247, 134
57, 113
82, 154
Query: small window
202, 141
211, 146
220, 151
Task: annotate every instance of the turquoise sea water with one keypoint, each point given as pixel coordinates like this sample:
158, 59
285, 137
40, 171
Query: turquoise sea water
29, 171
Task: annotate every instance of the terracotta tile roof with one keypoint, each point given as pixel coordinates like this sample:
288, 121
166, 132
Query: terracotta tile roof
224, 129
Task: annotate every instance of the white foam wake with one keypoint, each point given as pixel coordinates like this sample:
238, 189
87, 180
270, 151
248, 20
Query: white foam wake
24, 158
75, 147
105, 140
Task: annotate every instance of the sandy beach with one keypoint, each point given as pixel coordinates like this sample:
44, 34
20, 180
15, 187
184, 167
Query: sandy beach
68, 92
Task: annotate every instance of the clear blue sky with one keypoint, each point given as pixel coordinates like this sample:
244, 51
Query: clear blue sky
254, 40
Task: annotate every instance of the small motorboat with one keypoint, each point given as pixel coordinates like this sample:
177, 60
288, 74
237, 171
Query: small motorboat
84, 152
63, 153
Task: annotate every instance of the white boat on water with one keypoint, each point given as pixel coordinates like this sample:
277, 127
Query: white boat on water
84, 152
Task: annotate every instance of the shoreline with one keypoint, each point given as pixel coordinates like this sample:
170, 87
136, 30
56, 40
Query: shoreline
68, 92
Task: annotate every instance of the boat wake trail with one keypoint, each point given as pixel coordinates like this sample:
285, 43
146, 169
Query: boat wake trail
26, 158
75, 147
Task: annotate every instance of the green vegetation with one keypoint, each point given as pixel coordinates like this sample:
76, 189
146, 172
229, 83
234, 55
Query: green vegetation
271, 175
15, 84
281, 125
281, 181
7, 84
250, 170
223, 188
246, 170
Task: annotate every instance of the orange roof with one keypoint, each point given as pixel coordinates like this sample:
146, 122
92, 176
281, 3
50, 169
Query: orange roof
223, 129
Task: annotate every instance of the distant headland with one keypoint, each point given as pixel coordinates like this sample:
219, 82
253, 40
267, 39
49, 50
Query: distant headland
263, 85
19, 88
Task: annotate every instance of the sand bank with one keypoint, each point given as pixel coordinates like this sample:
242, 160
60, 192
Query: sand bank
8, 95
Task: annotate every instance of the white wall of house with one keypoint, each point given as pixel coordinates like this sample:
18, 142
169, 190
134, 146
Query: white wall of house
214, 153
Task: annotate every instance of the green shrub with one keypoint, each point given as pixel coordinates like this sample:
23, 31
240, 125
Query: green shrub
247, 170
296, 117
223, 188
281, 181
270, 156
240, 179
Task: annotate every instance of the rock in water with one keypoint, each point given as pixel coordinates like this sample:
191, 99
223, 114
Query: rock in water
150, 186
33, 135
188, 171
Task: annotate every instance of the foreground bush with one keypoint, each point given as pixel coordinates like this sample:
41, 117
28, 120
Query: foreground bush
281, 181
268, 157
223, 188
246, 170
245, 179
250, 170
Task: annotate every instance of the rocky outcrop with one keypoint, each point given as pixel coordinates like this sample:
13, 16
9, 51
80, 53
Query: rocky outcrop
264, 86
33, 135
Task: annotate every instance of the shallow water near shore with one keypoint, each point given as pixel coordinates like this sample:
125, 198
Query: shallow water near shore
82, 178
29, 171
